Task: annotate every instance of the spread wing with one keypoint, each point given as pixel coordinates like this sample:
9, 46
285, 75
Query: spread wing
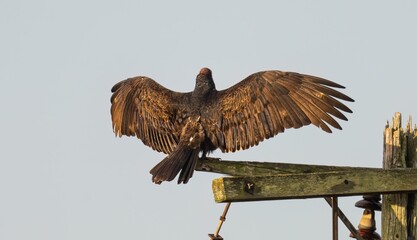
143, 108
266, 103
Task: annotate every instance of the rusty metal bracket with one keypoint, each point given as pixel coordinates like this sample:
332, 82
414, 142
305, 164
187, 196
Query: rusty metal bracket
216, 235
344, 219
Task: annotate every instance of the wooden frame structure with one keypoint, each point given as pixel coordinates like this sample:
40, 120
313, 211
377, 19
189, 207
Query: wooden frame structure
397, 181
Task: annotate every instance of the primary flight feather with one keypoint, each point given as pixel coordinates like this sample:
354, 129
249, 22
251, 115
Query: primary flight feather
184, 124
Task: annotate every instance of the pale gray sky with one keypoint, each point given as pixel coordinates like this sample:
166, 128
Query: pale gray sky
63, 174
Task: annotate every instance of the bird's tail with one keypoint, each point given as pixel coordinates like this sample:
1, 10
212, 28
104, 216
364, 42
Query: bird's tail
183, 159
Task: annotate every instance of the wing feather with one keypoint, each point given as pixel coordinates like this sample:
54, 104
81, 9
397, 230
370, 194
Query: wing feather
266, 103
143, 108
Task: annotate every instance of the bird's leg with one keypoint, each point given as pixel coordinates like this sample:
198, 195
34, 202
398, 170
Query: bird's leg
204, 155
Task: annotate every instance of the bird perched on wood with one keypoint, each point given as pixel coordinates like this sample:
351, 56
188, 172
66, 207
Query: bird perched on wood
184, 124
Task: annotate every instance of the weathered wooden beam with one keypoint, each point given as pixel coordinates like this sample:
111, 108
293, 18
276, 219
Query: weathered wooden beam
244, 168
310, 185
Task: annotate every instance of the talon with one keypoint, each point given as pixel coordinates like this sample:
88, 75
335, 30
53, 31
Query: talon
212, 159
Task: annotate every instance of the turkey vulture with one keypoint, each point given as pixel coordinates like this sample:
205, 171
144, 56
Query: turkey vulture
182, 125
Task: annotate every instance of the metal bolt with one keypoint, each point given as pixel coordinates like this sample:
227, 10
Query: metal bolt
249, 187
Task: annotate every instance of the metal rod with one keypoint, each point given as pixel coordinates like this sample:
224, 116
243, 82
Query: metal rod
222, 219
345, 220
335, 218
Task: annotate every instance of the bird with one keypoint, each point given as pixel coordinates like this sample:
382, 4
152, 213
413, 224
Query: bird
184, 125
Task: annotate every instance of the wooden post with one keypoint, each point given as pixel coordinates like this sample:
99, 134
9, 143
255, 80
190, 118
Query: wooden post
398, 210
411, 161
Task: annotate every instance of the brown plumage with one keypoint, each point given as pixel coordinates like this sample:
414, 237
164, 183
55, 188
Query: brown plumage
184, 124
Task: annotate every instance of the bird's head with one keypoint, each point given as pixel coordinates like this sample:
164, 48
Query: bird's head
204, 82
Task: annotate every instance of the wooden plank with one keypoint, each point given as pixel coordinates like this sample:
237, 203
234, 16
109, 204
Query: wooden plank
248, 168
310, 185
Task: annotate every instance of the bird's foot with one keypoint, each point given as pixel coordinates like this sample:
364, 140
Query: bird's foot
204, 158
